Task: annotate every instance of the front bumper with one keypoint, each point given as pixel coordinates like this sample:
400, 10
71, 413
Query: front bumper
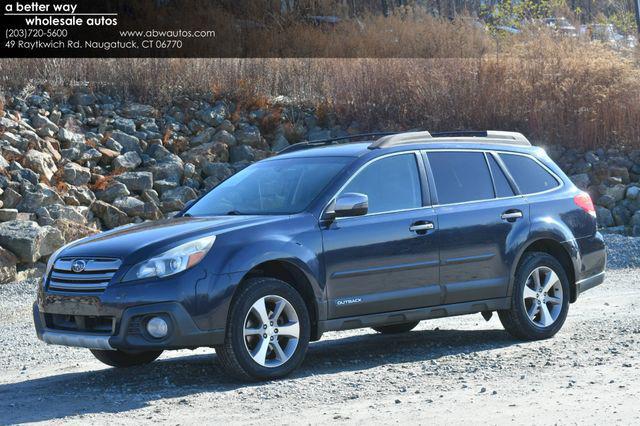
194, 305
130, 333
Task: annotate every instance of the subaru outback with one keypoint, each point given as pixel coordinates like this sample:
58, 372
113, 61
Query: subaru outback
334, 236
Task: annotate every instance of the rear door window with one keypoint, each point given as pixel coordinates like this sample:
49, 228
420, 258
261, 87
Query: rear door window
460, 176
529, 175
503, 189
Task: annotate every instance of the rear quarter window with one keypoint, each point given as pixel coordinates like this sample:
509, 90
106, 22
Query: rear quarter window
529, 175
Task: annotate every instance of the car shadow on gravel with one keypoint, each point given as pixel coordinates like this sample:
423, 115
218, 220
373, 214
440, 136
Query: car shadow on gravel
117, 391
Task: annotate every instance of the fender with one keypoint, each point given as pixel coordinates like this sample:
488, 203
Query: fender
292, 252
547, 228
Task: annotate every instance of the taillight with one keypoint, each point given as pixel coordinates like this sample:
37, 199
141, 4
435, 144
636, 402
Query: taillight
583, 200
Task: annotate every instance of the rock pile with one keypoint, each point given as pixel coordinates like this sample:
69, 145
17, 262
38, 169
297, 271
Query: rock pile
72, 164
76, 163
612, 178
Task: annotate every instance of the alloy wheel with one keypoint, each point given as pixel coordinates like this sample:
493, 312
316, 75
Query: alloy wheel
271, 331
542, 296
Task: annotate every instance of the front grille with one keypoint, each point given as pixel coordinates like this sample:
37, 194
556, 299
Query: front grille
94, 277
81, 323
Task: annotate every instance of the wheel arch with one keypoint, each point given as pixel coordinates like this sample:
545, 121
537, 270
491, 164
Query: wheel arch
290, 273
564, 252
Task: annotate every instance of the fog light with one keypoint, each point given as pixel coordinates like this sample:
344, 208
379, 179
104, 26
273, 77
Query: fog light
157, 327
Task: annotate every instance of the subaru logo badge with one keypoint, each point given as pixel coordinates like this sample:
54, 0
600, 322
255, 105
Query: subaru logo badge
78, 265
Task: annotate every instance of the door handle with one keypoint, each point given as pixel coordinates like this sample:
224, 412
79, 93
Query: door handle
421, 227
511, 215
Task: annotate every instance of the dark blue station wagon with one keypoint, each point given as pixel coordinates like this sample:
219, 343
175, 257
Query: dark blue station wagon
328, 236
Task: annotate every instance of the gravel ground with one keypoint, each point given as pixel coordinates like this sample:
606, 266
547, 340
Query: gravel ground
453, 370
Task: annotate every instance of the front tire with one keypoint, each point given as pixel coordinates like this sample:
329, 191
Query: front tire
122, 359
267, 332
396, 328
540, 300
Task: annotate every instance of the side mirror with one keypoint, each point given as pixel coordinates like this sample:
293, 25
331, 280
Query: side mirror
351, 204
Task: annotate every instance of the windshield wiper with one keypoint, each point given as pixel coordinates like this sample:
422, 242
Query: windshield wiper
234, 213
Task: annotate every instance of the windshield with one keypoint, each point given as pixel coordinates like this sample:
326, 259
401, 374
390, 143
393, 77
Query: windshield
272, 187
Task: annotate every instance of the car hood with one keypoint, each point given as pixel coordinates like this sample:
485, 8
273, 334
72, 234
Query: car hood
150, 238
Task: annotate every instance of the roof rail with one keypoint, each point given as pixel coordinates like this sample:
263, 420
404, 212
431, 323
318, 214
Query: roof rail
465, 136
331, 141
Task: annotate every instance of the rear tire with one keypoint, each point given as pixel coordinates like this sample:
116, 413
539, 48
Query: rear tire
540, 299
396, 328
267, 332
122, 359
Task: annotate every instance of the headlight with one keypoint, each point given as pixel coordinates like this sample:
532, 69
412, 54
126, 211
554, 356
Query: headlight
173, 261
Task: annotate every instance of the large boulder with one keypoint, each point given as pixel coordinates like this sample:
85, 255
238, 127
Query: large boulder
90, 157
8, 262
225, 137
136, 208
76, 214
114, 190
633, 193
621, 215
82, 98
41, 122
581, 180
41, 163
605, 218
11, 199
171, 170
214, 115
135, 110
108, 155
216, 173
42, 196
241, 153
136, 181
126, 125
207, 153
181, 193
29, 241
620, 172
127, 161
203, 137
606, 201
70, 138
83, 194
128, 142
72, 231
318, 134
617, 192
248, 134
75, 174
110, 216
8, 214
280, 143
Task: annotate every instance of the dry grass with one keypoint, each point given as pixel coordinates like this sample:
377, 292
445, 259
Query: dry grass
558, 91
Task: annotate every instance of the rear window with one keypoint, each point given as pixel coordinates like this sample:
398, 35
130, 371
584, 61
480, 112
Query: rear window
530, 176
460, 176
